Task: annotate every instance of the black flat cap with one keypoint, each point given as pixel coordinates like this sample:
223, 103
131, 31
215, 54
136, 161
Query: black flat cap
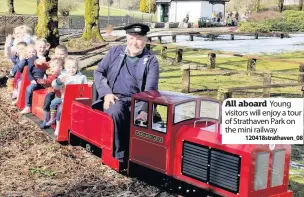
137, 28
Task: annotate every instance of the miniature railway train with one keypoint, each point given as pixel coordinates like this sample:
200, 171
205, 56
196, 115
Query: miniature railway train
185, 145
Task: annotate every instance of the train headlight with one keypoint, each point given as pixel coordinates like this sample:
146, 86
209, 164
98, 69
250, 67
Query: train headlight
277, 171
261, 170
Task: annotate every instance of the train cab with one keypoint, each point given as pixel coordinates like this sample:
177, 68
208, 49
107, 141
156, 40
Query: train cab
153, 143
182, 139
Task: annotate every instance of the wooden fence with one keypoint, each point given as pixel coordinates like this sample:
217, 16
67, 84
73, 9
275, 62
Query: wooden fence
251, 70
213, 35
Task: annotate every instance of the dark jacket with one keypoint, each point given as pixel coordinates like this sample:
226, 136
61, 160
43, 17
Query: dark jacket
147, 73
36, 71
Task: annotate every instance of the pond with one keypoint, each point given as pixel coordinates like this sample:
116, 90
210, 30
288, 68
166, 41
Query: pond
244, 44
240, 44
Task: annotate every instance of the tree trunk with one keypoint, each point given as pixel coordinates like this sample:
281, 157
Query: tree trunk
301, 5
257, 6
47, 26
281, 5
91, 17
10, 4
37, 11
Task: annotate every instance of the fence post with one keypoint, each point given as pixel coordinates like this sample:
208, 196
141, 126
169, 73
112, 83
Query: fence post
301, 77
232, 37
186, 79
223, 94
159, 39
211, 36
164, 52
191, 37
179, 55
251, 65
70, 22
267, 81
212, 60
174, 38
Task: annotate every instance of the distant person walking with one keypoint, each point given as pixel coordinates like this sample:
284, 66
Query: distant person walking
213, 16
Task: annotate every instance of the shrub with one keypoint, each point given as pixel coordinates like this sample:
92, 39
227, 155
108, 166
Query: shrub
288, 21
142, 6
280, 25
145, 6
294, 18
252, 27
152, 4
65, 7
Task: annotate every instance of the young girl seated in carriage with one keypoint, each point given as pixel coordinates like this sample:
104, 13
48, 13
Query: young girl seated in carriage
72, 75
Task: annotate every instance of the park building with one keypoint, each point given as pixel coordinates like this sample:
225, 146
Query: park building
177, 10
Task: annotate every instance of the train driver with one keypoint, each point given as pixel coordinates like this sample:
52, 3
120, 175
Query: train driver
124, 71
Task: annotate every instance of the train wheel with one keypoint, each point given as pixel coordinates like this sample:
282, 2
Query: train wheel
88, 148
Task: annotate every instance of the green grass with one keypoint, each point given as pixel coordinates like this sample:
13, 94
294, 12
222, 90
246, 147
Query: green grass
42, 172
296, 182
170, 75
29, 7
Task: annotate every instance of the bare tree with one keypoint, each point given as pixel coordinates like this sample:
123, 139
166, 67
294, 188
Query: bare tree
301, 2
47, 26
91, 17
281, 5
10, 4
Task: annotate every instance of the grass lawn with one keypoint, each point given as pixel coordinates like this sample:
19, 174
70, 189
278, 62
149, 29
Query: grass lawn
296, 181
29, 7
170, 75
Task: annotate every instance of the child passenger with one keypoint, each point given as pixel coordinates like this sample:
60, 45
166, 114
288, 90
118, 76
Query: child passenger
56, 65
36, 71
71, 76
22, 56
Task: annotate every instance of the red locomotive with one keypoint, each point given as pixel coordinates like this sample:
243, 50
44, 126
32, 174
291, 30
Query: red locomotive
183, 143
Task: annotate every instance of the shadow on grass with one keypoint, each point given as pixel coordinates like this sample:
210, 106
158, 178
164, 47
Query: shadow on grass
297, 188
